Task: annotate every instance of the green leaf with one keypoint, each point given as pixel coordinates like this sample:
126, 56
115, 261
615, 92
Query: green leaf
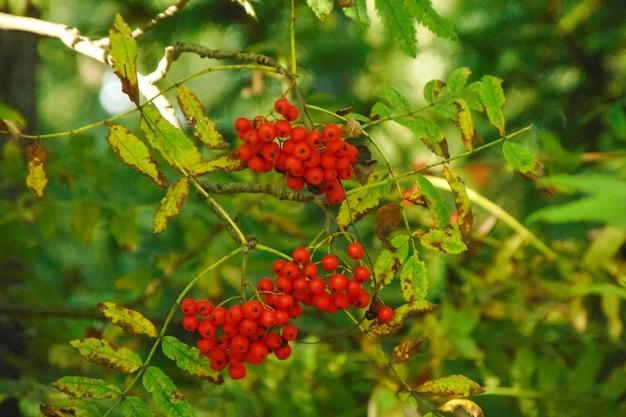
522, 160
177, 149
423, 11
131, 321
321, 8
190, 359
85, 217
465, 122
399, 24
165, 394
428, 132
135, 407
358, 13
448, 240
171, 204
413, 279
125, 229
390, 261
465, 218
434, 202
395, 99
75, 407
123, 57
204, 128
401, 315
101, 351
458, 79
433, 89
82, 387
358, 204
226, 162
454, 386
134, 153
600, 208
379, 109
492, 97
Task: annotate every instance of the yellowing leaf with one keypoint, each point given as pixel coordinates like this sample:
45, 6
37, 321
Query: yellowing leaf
123, 57
80, 387
406, 350
190, 359
454, 385
390, 261
465, 122
358, 204
70, 406
135, 407
37, 177
457, 79
400, 316
413, 279
434, 202
165, 394
171, 204
177, 149
470, 407
462, 202
522, 160
194, 112
101, 351
227, 162
134, 153
446, 240
492, 96
432, 89
131, 321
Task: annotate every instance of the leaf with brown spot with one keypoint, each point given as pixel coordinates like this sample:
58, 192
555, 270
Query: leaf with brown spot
428, 132
390, 261
413, 279
448, 240
123, 57
131, 321
406, 350
464, 121
462, 202
401, 315
226, 162
364, 165
194, 112
103, 352
387, 220
165, 393
82, 387
358, 204
190, 359
454, 385
37, 177
171, 204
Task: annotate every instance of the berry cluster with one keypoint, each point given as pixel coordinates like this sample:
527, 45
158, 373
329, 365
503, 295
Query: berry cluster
249, 332
317, 159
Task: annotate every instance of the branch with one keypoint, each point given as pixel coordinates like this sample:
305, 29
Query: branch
97, 50
169, 12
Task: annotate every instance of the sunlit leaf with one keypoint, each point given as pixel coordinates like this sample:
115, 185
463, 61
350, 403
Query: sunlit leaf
194, 112
454, 385
37, 177
434, 201
227, 162
522, 160
413, 279
123, 57
358, 12
82, 387
432, 89
11, 126
379, 109
462, 202
134, 153
406, 350
190, 359
177, 149
428, 132
70, 406
399, 24
470, 407
85, 217
395, 99
135, 407
321, 8
171, 204
492, 97
131, 321
103, 352
448, 240
401, 315
458, 79
358, 204
390, 261
465, 122
165, 394
423, 11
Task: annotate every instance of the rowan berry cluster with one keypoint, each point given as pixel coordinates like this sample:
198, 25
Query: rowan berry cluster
249, 332
318, 159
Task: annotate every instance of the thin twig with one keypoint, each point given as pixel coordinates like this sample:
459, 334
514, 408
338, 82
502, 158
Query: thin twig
169, 12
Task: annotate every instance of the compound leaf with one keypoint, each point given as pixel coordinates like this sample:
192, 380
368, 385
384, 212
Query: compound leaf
135, 407
101, 351
165, 394
433, 89
399, 24
454, 385
123, 57
171, 204
37, 177
131, 321
423, 11
82, 387
204, 128
134, 153
492, 96
358, 13
190, 359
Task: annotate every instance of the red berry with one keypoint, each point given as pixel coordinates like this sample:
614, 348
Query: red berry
265, 285
291, 269
331, 132
315, 139
361, 274
298, 134
290, 332
385, 314
188, 306
207, 328
204, 307
242, 125
314, 175
247, 327
360, 300
292, 114
245, 152
283, 352
257, 352
234, 315
317, 285
252, 309
283, 128
355, 250
341, 300
273, 340
269, 151
330, 262
353, 288
267, 132
267, 318
237, 371
281, 317
337, 282
190, 323
206, 345
282, 105
239, 343
301, 255
218, 315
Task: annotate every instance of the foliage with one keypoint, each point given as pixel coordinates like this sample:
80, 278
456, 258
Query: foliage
528, 312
